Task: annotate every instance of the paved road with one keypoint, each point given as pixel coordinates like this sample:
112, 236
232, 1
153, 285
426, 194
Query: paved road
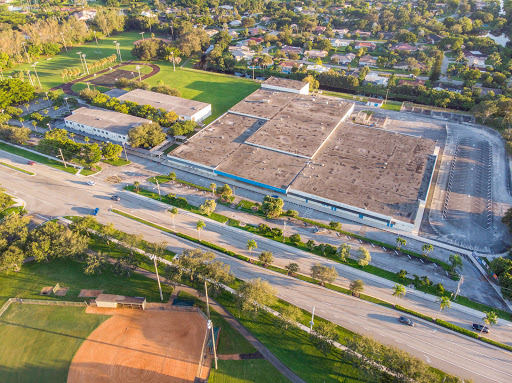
56, 193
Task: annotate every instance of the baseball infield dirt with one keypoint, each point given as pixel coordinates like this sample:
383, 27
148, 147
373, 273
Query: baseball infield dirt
140, 346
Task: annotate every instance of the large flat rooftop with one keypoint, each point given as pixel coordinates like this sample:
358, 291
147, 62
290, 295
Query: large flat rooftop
108, 120
285, 83
178, 105
370, 169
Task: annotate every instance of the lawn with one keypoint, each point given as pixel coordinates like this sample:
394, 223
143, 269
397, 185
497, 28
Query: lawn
220, 90
49, 69
36, 157
42, 341
246, 371
79, 86
33, 276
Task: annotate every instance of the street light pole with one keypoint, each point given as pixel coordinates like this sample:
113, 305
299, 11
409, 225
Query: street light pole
138, 68
85, 64
173, 66
34, 66
142, 33
209, 324
311, 322
81, 62
118, 46
158, 278
284, 228
125, 154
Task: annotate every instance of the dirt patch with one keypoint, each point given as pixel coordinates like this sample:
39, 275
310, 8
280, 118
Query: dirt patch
46, 290
253, 355
89, 293
140, 346
62, 291
110, 78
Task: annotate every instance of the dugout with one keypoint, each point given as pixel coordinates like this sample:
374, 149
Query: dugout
120, 301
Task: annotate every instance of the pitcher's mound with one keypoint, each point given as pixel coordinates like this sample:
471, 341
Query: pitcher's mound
140, 346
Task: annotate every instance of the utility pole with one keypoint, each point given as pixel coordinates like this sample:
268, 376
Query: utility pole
97, 47
119, 51
25, 49
158, 187
63, 160
173, 66
85, 64
311, 322
158, 277
81, 62
138, 68
386, 101
142, 34
1, 74
209, 324
461, 281
125, 154
64, 41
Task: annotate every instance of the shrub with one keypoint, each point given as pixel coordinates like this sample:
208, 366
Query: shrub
295, 238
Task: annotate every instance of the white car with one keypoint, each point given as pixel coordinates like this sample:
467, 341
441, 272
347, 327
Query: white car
91, 183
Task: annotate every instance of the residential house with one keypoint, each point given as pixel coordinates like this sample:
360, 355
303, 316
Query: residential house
255, 31
319, 30
287, 66
315, 54
235, 23
403, 65
257, 40
341, 32
336, 43
377, 102
148, 14
449, 87
343, 59
434, 38
404, 47
242, 55
211, 32
387, 35
226, 7
317, 68
286, 49
364, 44
362, 33
367, 60
475, 58
265, 19
376, 79
233, 34
86, 14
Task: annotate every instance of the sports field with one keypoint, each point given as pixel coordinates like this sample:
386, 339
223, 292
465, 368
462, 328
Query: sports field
140, 346
37, 343
246, 371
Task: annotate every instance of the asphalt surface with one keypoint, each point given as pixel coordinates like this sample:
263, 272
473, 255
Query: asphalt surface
55, 193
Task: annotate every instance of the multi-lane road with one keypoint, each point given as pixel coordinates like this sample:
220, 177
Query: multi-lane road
56, 193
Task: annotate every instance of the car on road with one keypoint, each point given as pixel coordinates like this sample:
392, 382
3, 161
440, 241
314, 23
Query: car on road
407, 321
91, 183
96, 211
479, 327
115, 198
31, 163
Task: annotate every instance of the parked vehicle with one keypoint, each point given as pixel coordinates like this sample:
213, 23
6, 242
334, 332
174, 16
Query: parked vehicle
96, 211
31, 163
407, 321
91, 183
479, 327
115, 198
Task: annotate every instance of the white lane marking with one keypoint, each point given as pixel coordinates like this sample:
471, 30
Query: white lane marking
427, 358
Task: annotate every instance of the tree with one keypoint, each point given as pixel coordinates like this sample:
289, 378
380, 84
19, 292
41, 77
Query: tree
107, 232
173, 212
111, 151
292, 268
266, 257
490, 319
181, 128
363, 256
426, 248
149, 134
11, 258
289, 316
208, 207
136, 184
313, 82
295, 238
400, 242
272, 207
363, 72
401, 275
82, 224
485, 109
254, 294
344, 252
95, 263
200, 225
172, 176
444, 302
455, 262
213, 187
251, 244
225, 192
323, 336
324, 273
194, 262
356, 287
310, 244
398, 291
335, 225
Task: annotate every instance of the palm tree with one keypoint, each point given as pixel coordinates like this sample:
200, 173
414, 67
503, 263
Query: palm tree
136, 184
86, 139
400, 242
444, 302
200, 226
251, 244
490, 319
21, 120
398, 291
173, 212
426, 248
213, 187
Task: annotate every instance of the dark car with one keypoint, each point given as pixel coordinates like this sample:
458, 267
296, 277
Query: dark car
406, 321
479, 327
96, 211
31, 163
115, 198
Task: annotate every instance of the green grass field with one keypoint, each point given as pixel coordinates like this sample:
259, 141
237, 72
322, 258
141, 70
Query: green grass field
246, 371
49, 69
42, 341
28, 282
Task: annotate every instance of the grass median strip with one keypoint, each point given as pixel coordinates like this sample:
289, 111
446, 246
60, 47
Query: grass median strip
305, 278
18, 169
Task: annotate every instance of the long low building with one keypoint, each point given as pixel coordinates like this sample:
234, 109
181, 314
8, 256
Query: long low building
103, 124
305, 147
186, 109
